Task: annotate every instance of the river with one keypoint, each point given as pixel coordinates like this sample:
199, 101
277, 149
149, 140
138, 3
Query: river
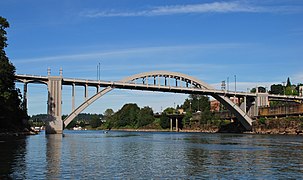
151, 155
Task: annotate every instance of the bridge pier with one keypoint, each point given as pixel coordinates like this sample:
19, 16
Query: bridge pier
25, 95
54, 123
73, 97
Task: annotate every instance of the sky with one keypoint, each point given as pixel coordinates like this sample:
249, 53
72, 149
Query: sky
259, 42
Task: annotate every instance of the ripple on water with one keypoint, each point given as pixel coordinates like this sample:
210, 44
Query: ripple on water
145, 155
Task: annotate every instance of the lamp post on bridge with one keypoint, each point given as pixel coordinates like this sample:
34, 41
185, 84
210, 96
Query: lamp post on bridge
235, 83
227, 84
48, 71
98, 72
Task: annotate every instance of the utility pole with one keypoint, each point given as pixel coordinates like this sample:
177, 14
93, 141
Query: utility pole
227, 84
235, 83
98, 72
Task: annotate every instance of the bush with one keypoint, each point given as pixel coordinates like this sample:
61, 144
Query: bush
262, 120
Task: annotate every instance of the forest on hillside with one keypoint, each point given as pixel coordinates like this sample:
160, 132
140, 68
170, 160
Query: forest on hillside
13, 114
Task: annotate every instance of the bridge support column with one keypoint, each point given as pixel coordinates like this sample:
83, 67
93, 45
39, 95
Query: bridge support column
54, 123
73, 97
25, 95
171, 124
244, 108
85, 92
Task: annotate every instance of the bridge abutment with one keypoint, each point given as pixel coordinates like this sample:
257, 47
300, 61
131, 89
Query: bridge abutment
54, 123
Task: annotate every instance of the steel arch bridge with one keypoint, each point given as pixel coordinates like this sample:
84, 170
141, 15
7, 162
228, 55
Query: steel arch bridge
161, 81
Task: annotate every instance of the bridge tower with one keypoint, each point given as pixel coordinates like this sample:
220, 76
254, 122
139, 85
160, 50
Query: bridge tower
54, 123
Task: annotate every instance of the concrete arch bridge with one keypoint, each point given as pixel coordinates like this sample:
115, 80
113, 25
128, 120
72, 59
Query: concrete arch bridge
161, 81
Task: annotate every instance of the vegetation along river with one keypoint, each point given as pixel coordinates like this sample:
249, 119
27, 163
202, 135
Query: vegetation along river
146, 155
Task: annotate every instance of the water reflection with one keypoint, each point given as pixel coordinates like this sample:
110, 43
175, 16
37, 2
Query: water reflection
134, 155
12, 157
53, 155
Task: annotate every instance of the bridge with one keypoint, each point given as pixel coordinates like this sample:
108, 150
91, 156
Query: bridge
161, 81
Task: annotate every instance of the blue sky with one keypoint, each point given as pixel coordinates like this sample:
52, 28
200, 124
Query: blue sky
261, 42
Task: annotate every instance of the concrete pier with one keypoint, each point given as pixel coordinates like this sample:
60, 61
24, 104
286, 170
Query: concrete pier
54, 123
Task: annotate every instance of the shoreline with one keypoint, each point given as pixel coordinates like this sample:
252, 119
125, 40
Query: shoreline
18, 133
265, 132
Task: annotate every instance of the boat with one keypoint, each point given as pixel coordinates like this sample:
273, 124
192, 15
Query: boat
77, 128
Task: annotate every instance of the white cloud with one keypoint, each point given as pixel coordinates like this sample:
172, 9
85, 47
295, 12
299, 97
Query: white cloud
214, 7
131, 52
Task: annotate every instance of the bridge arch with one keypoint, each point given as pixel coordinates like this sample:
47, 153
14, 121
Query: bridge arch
168, 76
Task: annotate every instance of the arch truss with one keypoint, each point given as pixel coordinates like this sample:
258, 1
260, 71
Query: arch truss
165, 81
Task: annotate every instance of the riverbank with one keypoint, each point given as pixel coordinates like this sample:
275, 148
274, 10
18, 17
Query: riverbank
283, 126
25, 132
255, 131
288, 125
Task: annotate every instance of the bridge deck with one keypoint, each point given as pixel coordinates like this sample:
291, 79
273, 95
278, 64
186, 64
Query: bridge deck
149, 87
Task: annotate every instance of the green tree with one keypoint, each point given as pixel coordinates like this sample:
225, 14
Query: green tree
82, 123
164, 121
169, 110
288, 83
126, 116
195, 103
186, 118
108, 113
187, 105
291, 90
260, 90
95, 121
276, 89
145, 117
108, 117
206, 116
12, 114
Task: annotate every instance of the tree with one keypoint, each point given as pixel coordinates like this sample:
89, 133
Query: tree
95, 121
288, 83
187, 105
260, 90
291, 90
126, 116
206, 116
108, 113
169, 110
12, 114
276, 89
195, 103
145, 117
186, 118
164, 121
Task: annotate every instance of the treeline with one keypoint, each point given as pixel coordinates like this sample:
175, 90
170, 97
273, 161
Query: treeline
13, 115
129, 116
83, 119
195, 110
286, 88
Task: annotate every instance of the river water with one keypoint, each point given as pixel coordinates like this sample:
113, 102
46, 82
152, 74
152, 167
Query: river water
151, 155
